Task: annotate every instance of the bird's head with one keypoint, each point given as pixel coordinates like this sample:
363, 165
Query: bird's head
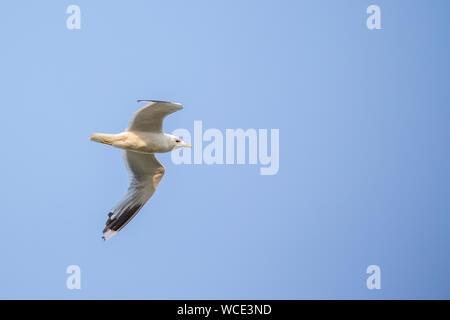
176, 143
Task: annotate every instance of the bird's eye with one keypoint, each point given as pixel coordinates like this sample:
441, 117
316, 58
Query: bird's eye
177, 141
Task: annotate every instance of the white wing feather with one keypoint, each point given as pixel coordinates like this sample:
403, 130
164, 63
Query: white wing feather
145, 173
150, 118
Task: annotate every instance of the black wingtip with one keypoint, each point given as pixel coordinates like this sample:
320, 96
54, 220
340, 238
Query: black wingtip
158, 101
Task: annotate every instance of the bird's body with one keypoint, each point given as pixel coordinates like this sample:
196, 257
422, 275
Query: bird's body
142, 139
138, 141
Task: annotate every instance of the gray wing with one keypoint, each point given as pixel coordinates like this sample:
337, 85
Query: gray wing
150, 117
145, 173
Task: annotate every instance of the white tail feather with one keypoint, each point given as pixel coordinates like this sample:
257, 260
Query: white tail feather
103, 138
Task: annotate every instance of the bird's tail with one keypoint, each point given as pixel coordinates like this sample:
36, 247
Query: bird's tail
103, 138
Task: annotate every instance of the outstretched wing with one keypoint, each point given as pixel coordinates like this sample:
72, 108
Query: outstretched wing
150, 117
145, 173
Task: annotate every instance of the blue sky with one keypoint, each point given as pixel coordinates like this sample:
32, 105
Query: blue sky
364, 159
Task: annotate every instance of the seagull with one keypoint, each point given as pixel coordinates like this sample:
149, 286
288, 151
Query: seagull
141, 140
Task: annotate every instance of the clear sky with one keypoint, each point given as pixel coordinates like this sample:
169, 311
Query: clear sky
364, 174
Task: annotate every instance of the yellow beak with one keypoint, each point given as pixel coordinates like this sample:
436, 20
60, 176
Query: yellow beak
187, 146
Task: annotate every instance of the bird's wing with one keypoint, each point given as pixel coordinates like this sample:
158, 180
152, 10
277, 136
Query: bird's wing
145, 173
150, 117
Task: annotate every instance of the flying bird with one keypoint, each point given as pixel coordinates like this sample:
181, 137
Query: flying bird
141, 140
